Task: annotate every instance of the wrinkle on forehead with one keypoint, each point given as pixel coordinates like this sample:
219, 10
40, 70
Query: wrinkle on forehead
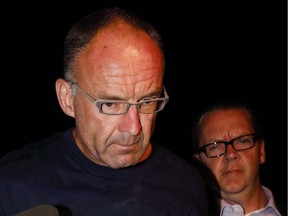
121, 62
112, 46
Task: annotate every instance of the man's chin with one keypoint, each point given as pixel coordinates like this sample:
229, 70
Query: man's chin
124, 161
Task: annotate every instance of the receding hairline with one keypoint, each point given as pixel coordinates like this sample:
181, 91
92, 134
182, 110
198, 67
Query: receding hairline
223, 109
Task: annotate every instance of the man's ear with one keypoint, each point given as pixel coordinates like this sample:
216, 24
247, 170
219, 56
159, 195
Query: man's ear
262, 151
196, 157
64, 96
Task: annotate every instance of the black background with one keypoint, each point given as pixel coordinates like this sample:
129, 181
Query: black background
214, 51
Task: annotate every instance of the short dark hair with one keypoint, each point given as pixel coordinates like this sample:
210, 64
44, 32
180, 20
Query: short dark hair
224, 105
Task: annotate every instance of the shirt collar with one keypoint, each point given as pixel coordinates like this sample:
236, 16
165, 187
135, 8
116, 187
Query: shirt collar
238, 209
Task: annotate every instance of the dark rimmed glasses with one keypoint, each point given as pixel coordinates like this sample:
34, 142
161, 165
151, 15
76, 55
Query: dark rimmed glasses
218, 148
114, 107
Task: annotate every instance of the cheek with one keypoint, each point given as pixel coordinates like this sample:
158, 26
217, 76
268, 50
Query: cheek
253, 156
148, 123
85, 119
151, 119
90, 121
147, 117
84, 109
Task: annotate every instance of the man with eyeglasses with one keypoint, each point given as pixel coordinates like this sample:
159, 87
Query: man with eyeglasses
107, 164
229, 144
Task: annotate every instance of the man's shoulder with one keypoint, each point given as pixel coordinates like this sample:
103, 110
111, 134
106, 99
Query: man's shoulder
31, 150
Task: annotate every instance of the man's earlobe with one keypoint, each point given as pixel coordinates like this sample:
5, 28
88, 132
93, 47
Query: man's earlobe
196, 157
64, 96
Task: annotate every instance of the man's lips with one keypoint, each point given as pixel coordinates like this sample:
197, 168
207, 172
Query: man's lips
231, 171
125, 145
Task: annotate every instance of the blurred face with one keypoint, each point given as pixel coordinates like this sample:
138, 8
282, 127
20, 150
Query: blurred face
235, 171
124, 64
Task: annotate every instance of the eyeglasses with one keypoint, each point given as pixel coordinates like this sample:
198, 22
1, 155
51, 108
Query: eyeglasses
218, 148
114, 107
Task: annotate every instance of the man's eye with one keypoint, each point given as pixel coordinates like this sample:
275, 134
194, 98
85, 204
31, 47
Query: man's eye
213, 147
108, 105
148, 102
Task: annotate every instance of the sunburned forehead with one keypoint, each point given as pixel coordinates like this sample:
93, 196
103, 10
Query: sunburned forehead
121, 49
124, 38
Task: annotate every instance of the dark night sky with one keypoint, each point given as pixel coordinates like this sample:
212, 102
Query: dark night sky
214, 52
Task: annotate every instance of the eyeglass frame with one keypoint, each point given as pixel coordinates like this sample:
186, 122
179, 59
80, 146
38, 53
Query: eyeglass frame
99, 103
229, 142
